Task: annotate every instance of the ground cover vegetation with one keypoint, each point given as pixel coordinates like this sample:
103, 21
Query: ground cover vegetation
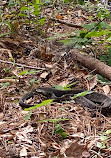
51, 43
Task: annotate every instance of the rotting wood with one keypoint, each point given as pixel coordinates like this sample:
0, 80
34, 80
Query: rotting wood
66, 23
92, 63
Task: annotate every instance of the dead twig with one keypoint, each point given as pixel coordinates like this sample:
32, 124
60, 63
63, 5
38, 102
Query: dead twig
9, 80
66, 23
22, 65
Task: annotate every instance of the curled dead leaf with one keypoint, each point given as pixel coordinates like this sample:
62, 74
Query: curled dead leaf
92, 82
106, 89
23, 152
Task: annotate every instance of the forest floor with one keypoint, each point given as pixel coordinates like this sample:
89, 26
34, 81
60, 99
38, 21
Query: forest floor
59, 130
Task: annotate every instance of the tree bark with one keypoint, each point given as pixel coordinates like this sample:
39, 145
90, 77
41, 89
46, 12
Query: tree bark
92, 63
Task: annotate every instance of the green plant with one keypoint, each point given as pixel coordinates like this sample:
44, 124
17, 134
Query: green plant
106, 57
4, 85
20, 13
44, 103
67, 87
87, 35
30, 109
84, 37
81, 2
102, 144
59, 130
25, 72
82, 94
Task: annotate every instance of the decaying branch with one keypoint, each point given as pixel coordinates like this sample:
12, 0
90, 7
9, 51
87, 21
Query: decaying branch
66, 23
92, 63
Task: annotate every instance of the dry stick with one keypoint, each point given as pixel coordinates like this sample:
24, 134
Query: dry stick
22, 65
66, 23
92, 63
9, 80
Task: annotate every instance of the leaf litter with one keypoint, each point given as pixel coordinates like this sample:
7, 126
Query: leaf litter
66, 129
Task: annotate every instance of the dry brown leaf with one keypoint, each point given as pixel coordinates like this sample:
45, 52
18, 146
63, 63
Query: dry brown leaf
1, 115
56, 146
79, 12
92, 82
44, 55
2, 50
49, 65
80, 73
85, 154
65, 65
22, 136
106, 89
74, 150
44, 75
64, 83
7, 136
58, 16
28, 129
3, 122
78, 135
23, 152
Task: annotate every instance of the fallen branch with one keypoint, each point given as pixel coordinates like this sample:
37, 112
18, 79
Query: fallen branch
66, 23
92, 63
9, 80
22, 65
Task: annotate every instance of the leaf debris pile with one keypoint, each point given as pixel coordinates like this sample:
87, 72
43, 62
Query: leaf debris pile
56, 130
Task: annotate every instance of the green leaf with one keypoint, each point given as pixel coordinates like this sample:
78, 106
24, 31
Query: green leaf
25, 72
89, 26
37, 2
27, 117
105, 25
16, 101
59, 87
81, 2
22, 15
109, 61
32, 81
72, 84
108, 132
62, 88
24, 8
64, 134
109, 39
102, 79
59, 130
4, 85
6, 69
99, 145
66, 1
97, 33
66, 41
11, 3
42, 21
103, 138
44, 103
11, 77
103, 58
4, 34
32, 72
82, 94
10, 25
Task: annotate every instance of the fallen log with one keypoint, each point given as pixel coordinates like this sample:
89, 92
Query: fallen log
91, 63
